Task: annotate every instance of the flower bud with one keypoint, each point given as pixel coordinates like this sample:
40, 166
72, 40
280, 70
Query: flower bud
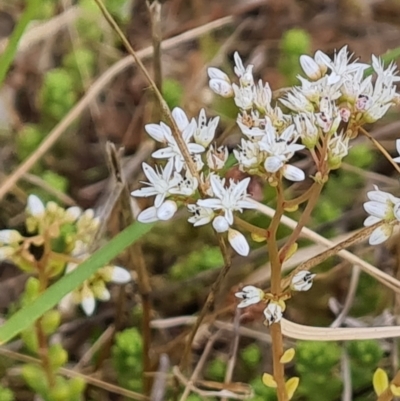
167, 210
216, 158
50, 321
57, 355
220, 224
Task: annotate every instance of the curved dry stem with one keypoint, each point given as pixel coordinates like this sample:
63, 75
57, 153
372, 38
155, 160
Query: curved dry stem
301, 332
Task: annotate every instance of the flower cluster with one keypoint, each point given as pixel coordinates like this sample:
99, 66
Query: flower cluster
250, 295
322, 114
56, 236
174, 182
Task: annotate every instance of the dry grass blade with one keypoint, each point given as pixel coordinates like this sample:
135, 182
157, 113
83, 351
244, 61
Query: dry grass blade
379, 275
300, 332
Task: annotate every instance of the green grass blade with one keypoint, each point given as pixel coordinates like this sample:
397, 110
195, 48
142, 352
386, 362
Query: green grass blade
26, 317
8, 56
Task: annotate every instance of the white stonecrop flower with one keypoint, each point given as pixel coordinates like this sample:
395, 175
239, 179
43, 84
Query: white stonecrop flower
305, 125
279, 149
172, 151
238, 242
249, 156
160, 182
220, 224
302, 281
397, 159
273, 313
244, 96
220, 82
35, 207
10, 237
251, 295
205, 131
231, 199
338, 148
216, 158
245, 74
262, 96
315, 68
94, 288
381, 206
201, 215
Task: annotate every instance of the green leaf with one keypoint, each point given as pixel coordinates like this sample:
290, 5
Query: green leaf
25, 317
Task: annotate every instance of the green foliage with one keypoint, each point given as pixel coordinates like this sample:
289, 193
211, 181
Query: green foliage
206, 258
316, 364
251, 355
80, 63
294, 43
55, 180
216, 370
57, 96
28, 140
261, 392
127, 358
172, 91
365, 357
6, 394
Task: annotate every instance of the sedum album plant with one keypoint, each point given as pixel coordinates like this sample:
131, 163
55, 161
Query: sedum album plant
318, 120
55, 242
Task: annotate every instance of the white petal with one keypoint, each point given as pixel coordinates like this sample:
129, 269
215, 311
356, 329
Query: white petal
104, 296
293, 173
164, 153
221, 87
120, 275
398, 145
376, 209
73, 213
35, 206
371, 220
148, 215
380, 234
66, 303
238, 242
220, 224
167, 210
273, 164
88, 304
310, 67
9, 237
156, 132
216, 73
180, 118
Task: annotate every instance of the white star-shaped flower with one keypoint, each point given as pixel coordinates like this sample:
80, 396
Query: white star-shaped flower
172, 151
160, 182
231, 199
251, 295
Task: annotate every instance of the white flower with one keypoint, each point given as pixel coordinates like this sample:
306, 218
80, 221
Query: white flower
216, 158
397, 159
251, 295
302, 281
10, 237
219, 82
252, 132
238, 242
201, 215
167, 210
120, 275
88, 301
382, 206
160, 182
338, 148
243, 96
306, 127
262, 96
315, 68
35, 206
249, 155
280, 149
184, 186
245, 74
273, 313
172, 151
233, 198
329, 117
220, 224
297, 101
205, 131
72, 214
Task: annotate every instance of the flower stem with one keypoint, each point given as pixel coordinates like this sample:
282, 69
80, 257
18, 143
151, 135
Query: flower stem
277, 352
